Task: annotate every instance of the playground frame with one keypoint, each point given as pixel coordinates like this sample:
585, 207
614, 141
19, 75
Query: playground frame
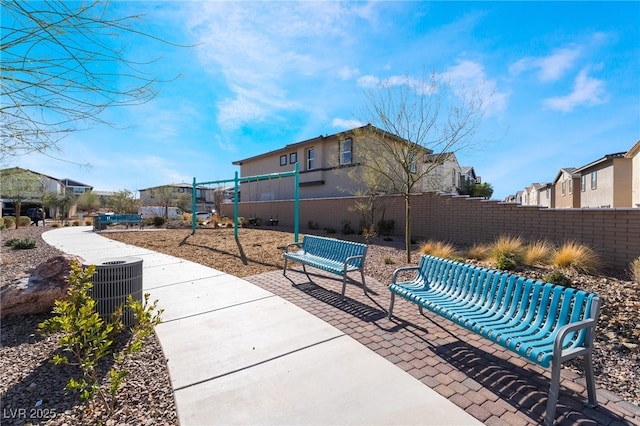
237, 181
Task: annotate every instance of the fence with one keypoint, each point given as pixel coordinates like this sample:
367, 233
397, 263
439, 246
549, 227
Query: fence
613, 233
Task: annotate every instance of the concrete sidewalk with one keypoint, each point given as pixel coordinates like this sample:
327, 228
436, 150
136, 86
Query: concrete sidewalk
239, 354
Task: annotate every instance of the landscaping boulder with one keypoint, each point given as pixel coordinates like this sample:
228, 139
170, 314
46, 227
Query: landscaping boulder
38, 292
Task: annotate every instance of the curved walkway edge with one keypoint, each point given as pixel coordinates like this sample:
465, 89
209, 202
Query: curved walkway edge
239, 354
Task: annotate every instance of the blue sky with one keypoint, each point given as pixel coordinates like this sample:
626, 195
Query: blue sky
564, 78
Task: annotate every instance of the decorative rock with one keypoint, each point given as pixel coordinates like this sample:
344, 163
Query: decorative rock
38, 293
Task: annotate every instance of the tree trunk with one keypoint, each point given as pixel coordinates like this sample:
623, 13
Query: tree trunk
407, 226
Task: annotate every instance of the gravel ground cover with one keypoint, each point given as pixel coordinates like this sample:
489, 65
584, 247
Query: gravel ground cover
146, 399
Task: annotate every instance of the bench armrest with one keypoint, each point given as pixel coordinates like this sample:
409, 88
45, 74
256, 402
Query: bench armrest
286, 249
576, 326
399, 270
350, 258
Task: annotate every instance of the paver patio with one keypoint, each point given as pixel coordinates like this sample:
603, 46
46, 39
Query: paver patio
493, 385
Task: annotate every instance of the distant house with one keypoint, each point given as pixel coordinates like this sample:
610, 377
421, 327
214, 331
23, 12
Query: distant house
446, 174
566, 188
538, 194
634, 155
48, 184
606, 182
179, 195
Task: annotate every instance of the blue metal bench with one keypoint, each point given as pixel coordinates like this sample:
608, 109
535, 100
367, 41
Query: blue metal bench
546, 323
329, 254
101, 221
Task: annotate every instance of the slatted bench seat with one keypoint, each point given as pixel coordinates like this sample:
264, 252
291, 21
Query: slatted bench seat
101, 221
329, 254
545, 323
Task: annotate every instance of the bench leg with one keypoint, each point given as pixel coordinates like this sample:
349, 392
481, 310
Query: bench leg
284, 270
591, 383
344, 285
393, 298
364, 286
554, 389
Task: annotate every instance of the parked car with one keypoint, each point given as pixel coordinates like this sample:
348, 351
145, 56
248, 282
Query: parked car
203, 215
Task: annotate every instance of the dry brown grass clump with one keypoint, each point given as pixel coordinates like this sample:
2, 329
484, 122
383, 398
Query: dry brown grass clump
635, 270
576, 257
479, 252
538, 253
439, 249
508, 247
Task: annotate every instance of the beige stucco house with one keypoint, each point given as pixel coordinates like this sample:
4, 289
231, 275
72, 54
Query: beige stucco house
325, 164
634, 155
538, 194
606, 182
566, 189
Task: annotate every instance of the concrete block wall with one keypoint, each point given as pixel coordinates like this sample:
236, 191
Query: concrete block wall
613, 233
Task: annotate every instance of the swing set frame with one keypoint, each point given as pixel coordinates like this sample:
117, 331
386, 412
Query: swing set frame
237, 181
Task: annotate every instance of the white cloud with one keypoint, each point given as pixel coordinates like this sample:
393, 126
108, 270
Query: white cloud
265, 50
347, 73
469, 79
549, 68
342, 123
586, 91
368, 81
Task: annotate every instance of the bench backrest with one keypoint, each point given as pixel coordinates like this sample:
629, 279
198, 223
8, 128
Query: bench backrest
117, 218
334, 249
529, 302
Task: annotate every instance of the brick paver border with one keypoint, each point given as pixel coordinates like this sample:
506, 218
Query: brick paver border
492, 384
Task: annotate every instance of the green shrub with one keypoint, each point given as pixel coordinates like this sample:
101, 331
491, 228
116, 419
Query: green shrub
386, 227
389, 261
24, 221
557, 277
85, 338
9, 222
313, 225
347, 229
21, 243
506, 263
158, 221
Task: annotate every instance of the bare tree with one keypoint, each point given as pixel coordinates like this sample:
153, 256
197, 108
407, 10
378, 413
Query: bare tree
63, 64
20, 186
418, 118
123, 201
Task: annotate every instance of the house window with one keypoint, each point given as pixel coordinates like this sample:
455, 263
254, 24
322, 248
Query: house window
283, 160
564, 187
345, 152
412, 162
293, 158
594, 180
311, 159
583, 183
571, 186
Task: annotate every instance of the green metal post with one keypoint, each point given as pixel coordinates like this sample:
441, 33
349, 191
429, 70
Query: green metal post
296, 202
193, 207
236, 207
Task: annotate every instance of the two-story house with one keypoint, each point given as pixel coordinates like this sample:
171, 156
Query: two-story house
634, 155
42, 184
538, 194
180, 195
606, 182
566, 186
327, 164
